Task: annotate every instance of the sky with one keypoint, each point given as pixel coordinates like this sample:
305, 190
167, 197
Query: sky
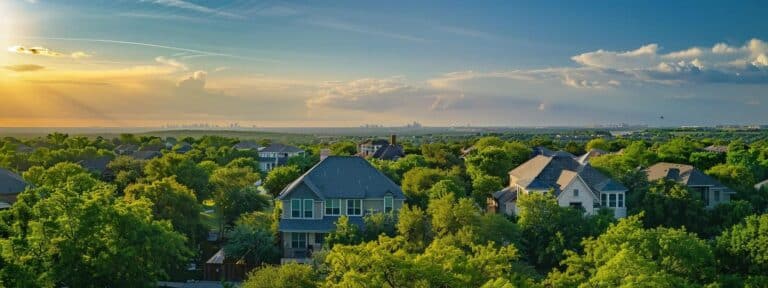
131, 63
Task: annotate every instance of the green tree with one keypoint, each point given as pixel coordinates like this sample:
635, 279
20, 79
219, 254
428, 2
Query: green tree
183, 168
483, 187
414, 225
127, 171
235, 193
670, 204
279, 178
449, 214
548, 229
742, 248
345, 233
445, 187
254, 244
418, 181
598, 143
376, 224
77, 234
440, 155
627, 254
291, 275
677, 150
344, 148
491, 161
171, 201
706, 160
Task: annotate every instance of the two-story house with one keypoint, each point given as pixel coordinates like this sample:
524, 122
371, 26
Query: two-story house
276, 155
711, 191
575, 184
338, 185
381, 149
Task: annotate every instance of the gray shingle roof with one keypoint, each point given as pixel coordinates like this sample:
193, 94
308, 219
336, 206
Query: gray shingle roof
146, 155
389, 152
246, 145
550, 172
681, 173
505, 195
96, 165
327, 224
127, 148
280, 148
345, 177
11, 183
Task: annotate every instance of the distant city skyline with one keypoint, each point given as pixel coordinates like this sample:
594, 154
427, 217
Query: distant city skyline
149, 63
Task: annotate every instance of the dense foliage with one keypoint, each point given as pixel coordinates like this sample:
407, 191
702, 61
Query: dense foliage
77, 227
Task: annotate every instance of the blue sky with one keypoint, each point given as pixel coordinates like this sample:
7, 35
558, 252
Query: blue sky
346, 63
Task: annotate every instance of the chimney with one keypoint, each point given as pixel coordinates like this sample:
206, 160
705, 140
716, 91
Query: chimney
673, 174
393, 139
324, 153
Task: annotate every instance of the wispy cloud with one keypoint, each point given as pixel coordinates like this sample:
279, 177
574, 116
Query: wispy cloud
24, 68
463, 31
350, 27
42, 51
166, 17
193, 7
166, 47
171, 62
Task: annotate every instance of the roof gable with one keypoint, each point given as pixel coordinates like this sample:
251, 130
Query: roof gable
553, 172
681, 173
345, 177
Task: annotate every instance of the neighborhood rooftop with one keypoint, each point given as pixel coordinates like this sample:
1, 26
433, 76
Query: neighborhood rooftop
684, 174
345, 177
11, 183
545, 172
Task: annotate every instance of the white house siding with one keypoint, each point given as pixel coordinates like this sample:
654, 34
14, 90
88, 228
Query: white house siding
585, 197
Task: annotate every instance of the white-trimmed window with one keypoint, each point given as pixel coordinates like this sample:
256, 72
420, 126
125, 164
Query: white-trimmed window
333, 207
575, 192
621, 200
309, 207
354, 207
388, 204
299, 240
295, 208
611, 200
604, 199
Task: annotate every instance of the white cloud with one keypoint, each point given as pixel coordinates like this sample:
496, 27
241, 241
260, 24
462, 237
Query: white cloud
171, 62
195, 82
192, 7
367, 94
720, 63
576, 81
42, 51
